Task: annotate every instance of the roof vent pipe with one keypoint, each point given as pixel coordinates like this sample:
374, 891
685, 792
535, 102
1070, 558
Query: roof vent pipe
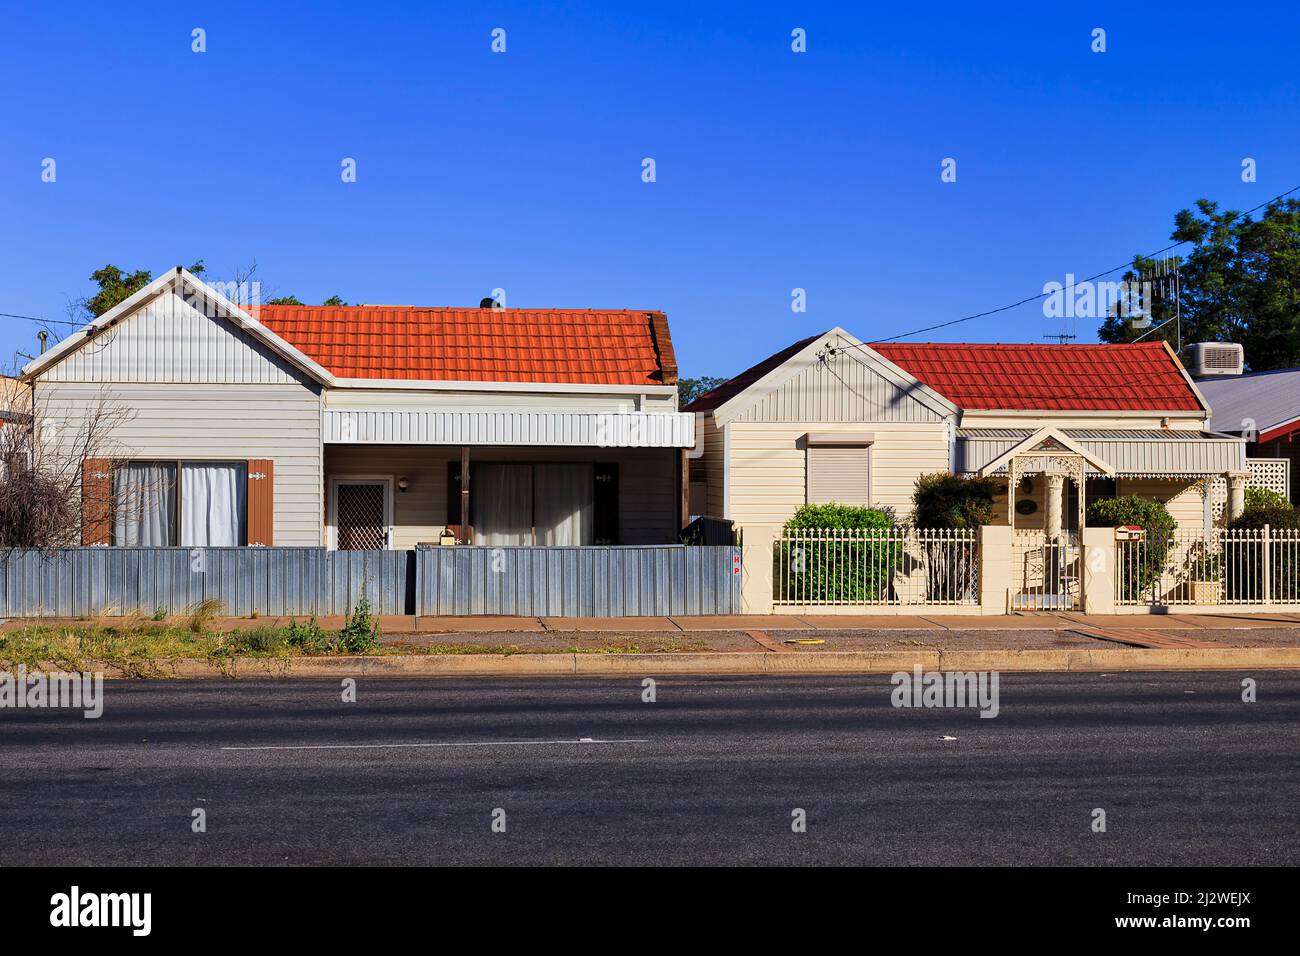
44, 337
487, 302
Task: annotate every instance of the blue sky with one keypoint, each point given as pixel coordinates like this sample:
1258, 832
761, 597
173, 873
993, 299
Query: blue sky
522, 170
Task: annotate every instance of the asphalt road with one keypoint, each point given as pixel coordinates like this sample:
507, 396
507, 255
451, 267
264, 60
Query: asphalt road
710, 773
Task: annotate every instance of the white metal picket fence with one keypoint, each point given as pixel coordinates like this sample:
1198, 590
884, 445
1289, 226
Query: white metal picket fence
875, 567
1045, 574
1241, 567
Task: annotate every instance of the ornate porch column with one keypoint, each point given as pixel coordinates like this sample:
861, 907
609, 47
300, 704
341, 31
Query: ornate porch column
1055, 500
1236, 493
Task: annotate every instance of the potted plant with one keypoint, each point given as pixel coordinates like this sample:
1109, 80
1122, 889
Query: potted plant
1204, 574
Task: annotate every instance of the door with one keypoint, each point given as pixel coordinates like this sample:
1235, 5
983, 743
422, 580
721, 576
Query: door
362, 514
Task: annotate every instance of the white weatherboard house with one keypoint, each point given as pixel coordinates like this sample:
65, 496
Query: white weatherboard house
369, 427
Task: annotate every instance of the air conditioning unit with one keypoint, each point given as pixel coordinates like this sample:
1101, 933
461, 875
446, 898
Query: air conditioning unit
1216, 358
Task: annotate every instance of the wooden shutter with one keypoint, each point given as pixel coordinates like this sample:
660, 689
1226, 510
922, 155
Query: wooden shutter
839, 469
261, 502
605, 504
96, 501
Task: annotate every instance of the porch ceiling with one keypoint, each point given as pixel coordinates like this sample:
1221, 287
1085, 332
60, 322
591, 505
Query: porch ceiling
1132, 452
594, 429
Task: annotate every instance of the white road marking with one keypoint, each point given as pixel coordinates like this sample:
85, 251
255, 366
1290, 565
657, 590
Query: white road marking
467, 743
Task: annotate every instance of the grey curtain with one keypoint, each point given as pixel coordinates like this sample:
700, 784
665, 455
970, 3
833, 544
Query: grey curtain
501, 496
565, 504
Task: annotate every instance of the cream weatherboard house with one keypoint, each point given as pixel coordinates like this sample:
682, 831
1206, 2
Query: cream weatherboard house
369, 427
831, 418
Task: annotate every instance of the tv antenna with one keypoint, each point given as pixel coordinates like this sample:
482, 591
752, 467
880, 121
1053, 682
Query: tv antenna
1163, 280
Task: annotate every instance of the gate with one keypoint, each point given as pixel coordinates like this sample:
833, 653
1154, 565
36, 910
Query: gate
1045, 575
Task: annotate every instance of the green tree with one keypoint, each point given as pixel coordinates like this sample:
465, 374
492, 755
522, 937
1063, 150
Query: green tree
284, 300
334, 300
116, 285
1239, 283
689, 389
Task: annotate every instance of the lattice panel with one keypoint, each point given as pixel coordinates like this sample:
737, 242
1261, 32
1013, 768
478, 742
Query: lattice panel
361, 517
1271, 473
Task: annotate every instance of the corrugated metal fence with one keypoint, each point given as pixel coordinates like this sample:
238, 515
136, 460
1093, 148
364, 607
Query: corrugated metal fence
579, 582
85, 581
569, 582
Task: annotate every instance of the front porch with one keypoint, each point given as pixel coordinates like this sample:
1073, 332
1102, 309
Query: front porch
402, 496
1051, 475
504, 478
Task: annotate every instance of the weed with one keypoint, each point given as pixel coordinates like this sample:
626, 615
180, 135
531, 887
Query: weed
201, 615
360, 634
308, 637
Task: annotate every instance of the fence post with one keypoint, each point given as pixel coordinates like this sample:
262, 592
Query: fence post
1100, 554
756, 560
995, 568
1266, 567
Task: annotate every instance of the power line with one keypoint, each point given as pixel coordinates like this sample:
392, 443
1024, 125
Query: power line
1043, 295
33, 318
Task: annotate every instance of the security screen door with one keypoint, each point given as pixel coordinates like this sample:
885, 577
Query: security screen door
361, 512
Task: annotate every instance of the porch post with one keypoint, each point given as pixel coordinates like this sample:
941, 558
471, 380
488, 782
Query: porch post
684, 489
1236, 493
1205, 487
1055, 496
464, 494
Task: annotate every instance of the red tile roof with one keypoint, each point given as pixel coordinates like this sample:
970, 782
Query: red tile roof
581, 346
1139, 377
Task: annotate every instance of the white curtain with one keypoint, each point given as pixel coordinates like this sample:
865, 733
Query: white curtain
144, 505
565, 504
501, 501
213, 503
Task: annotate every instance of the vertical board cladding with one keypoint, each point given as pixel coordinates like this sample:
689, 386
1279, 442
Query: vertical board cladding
269, 581
846, 387
578, 582
168, 339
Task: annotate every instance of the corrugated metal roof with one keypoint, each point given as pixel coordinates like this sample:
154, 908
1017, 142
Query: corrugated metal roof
1130, 451
1262, 402
1095, 434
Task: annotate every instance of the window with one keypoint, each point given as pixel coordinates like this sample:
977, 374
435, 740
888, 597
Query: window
190, 503
839, 468
552, 503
